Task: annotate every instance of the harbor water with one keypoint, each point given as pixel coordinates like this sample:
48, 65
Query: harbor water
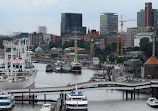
99, 100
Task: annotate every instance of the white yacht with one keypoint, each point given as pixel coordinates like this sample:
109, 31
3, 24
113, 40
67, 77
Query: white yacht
76, 100
153, 102
46, 107
6, 100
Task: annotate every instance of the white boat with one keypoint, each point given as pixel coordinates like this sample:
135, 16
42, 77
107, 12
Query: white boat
76, 100
6, 100
66, 68
153, 102
76, 68
46, 107
98, 77
17, 71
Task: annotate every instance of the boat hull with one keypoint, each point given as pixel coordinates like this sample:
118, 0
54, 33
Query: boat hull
152, 102
29, 83
154, 106
76, 71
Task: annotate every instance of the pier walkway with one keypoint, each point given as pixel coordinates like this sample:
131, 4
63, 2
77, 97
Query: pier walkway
91, 86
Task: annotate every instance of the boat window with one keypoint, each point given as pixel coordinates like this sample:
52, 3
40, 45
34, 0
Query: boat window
77, 99
68, 98
3, 103
84, 99
3, 97
76, 68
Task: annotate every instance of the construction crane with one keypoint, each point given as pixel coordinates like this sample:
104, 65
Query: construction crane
122, 32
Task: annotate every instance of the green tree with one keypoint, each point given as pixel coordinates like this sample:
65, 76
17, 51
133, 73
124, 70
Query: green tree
52, 44
4, 38
68, 44
120, 59
144, 44
112, 58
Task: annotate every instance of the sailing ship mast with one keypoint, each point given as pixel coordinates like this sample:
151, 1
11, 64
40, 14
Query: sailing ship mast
75, 59
75, 43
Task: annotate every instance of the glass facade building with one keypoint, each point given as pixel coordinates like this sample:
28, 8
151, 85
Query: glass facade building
141, 18
108, 23
147, 17
68, 23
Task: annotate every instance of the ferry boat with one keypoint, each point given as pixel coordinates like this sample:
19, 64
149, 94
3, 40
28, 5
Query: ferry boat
17, 71
6, 100
46, 107
153, 102
76, 100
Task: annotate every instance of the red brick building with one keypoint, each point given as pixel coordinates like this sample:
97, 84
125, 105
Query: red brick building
151, 68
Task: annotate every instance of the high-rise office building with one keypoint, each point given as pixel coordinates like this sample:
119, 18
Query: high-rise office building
148, 14
108, 23
68, 23
147, 17
141, 18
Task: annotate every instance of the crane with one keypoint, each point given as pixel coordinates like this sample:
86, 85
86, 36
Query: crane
122, 32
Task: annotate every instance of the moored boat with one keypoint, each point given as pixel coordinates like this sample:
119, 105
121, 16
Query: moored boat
153, 102
49, 68
66, 68
46, 107
98, 77
6, 100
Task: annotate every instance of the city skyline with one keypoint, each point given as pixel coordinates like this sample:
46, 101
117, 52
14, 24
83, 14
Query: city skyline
26, 15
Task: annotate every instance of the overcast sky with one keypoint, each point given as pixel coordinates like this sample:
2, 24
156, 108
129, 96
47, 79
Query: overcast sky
26, 15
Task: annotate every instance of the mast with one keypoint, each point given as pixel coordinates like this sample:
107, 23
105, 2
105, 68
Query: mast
11, 67
154, 36
75, 59
75, 38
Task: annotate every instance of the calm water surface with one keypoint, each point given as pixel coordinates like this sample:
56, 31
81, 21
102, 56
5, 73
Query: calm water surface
100, 100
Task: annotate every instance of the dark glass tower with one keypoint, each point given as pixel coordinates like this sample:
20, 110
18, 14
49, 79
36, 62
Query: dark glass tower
68, 23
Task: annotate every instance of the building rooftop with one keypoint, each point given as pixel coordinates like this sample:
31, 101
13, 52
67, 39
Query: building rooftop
152, 60
38, 49
109, 13
145, 34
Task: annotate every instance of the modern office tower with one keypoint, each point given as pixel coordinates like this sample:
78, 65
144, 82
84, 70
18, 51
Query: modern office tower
148, 14
155, 16
68, 23
108, 23
42, 29
141, 18
147, 17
